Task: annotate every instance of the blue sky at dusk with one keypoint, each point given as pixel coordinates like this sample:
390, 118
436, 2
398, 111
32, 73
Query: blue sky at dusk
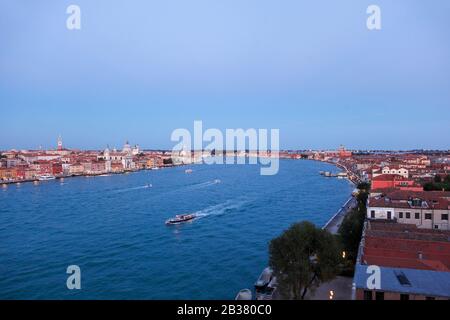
137, 70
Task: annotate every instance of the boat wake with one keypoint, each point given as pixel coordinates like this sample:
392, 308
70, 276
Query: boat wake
222, 208
204, 184
147, 186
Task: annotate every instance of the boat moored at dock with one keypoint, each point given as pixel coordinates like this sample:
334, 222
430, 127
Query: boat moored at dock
46, 177
266, 285
244, 295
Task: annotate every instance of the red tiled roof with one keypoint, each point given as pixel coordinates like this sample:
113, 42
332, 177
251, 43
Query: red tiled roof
390, 177
405, 246
400, 198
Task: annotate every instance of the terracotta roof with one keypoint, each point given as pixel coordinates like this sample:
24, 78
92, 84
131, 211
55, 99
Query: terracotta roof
402, 199
389, 177
405, 246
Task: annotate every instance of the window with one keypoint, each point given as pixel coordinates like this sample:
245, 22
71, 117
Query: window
444, 217
400, 215
379, 296
368, 295
404, 297
389, 215
417, 216
427, 216
408, 215
372, 214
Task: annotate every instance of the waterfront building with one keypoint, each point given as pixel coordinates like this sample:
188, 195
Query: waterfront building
414, 263
43, 167
76, 169
94, 167
394, 170
116, 167
395, 181
125, 157
8, 174
426, 210
30, 174
57, 169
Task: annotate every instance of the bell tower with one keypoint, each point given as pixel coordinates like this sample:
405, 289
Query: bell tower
60, 143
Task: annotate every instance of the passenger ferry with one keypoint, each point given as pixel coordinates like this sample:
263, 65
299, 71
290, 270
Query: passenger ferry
181, 219
46, 177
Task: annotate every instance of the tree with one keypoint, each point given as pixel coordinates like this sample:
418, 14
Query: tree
352, 226
351, 232
302, 258
364, 186
429, 186
437, 178
447, 179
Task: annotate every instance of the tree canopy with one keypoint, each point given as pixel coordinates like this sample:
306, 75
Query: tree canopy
303, 257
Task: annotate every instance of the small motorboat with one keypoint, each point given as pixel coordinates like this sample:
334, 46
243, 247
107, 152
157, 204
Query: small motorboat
264, 279
181, 219
188, 171
244, 295
266, 285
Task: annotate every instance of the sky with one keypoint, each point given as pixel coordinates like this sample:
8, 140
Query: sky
139, 69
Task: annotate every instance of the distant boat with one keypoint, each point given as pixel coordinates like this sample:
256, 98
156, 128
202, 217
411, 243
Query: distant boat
155, 168
244, 295
188, 171
181, 219
46, 177
217, 181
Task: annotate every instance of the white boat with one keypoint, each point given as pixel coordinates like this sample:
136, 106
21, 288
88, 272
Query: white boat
266, 285
244, 295
46, 177
188, 171
264, 279
181, 219
155, 168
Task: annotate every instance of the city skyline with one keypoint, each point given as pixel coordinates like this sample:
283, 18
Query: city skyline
139, 71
